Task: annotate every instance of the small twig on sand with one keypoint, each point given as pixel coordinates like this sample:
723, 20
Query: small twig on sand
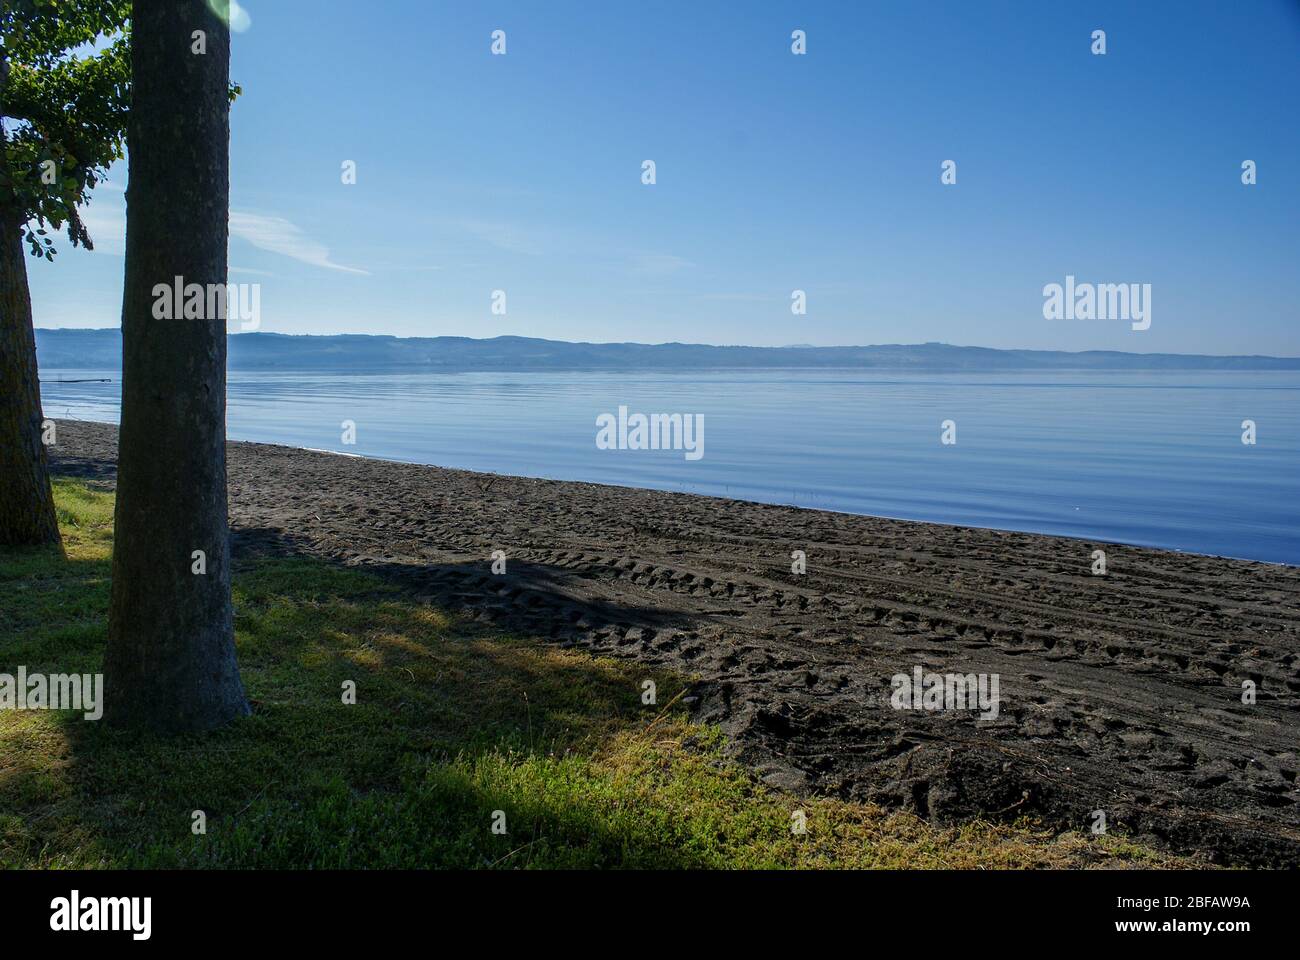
1024, 798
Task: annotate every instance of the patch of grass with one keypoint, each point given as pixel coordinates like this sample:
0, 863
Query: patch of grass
452, 727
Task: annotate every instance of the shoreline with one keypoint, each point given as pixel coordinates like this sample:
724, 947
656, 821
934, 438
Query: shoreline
711, 496
1120, 692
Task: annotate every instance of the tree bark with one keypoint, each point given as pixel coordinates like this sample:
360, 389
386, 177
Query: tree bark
26, 504
170, 664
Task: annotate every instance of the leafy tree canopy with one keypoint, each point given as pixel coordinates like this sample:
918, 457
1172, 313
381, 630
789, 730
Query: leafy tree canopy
71, 108
65, 77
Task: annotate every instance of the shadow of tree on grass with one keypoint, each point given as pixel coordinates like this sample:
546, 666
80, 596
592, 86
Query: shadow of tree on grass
454, 726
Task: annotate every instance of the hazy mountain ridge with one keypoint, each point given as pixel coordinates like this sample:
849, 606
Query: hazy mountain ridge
342, 353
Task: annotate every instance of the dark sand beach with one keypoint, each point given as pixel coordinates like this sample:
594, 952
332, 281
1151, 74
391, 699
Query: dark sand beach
1120, 693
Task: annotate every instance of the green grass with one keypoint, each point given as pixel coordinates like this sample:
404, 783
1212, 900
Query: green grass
451, 724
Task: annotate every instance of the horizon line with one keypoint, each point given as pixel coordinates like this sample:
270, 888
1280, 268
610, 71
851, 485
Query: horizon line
715, 346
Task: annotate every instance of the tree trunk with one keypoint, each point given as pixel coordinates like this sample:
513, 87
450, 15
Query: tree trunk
26, 503
170, 664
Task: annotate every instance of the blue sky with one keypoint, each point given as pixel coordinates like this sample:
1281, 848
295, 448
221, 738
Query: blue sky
775, 172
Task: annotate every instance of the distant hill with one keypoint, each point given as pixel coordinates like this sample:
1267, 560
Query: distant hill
356, 353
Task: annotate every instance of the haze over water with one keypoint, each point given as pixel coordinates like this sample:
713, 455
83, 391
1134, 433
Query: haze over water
1152, 458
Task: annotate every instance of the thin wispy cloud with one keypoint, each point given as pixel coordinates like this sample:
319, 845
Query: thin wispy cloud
504, 236
738, 297
658, 264
278, 235
105, 220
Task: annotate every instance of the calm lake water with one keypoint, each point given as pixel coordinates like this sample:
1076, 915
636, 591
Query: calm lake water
1150, 458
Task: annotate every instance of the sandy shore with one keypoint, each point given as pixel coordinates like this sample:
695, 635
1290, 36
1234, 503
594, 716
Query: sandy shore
1120, 693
